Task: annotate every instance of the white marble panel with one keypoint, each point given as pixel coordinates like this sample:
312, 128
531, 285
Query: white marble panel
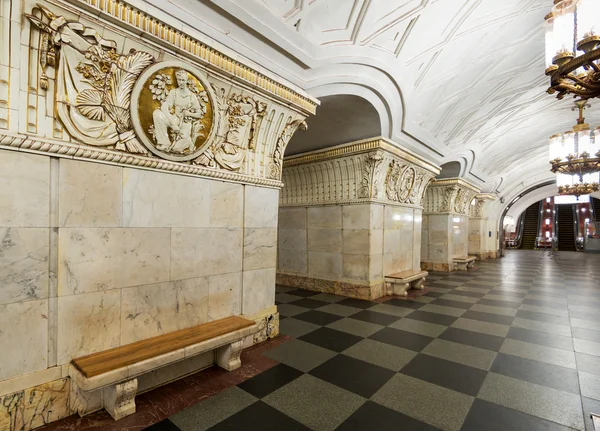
328, 240
154, 199
23, 264
88, 323
260, 248
258, 290
292, 262
25, 191
356, 216
292, 218
376, 241
93, 259
398, 218
355, 267
375, 267
356, 241
329, 217
292, 239
377, 214
226, 204
325, 265
23, 338
261, 207
224, 295
200, 252
156, 309
90, 194
391, 241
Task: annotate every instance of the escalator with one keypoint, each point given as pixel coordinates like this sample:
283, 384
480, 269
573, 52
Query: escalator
566, 228
595, 203
530, 227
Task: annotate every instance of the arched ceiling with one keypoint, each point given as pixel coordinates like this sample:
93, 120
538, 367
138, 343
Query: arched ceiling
455, 79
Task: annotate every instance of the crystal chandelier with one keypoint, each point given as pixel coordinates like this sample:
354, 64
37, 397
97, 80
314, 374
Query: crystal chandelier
575, 157
573, 48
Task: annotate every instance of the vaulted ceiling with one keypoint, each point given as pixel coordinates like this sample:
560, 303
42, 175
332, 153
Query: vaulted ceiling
454, 80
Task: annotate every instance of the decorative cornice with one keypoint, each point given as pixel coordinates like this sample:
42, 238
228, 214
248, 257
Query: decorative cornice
476, 211
362, 146
142, 23
48, 147
450, 196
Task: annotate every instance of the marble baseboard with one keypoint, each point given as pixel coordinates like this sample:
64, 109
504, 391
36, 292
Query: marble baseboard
437, 266
36, 406
333, 287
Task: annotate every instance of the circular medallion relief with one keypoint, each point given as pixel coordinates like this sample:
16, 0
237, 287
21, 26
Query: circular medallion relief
172, 110
406, 183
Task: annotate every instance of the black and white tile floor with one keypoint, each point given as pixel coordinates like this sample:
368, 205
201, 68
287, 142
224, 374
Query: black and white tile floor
511, 345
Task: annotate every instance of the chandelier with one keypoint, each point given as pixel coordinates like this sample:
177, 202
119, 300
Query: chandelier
573, 48
575, 157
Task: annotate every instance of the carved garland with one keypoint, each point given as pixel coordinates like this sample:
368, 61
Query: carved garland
276, 167
368, 184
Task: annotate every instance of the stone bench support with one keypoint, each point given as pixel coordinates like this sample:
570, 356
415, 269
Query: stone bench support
399, 283
463, 263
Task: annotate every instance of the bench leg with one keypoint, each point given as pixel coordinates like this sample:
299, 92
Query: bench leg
418, 284
401, 289
389, 289
462, 266
119, 399
84, 402
228, 357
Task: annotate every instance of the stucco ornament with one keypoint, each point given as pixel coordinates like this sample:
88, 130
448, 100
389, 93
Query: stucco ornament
400, 182
290, 128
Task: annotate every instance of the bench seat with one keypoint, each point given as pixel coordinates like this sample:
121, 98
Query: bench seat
462, 263
109, 379
400, 282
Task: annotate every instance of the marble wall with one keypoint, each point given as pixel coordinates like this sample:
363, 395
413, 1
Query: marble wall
96, 256
347, 249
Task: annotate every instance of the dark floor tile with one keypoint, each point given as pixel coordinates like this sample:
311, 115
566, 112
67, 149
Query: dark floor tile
374, 317
165, 425
451, 375
475, 339
268, 381
586, 334
373, 416
303, 293
331, 339
438, 319
542, 303
543, 317
590, 406
467, 293
486, 416
450, 303
359, 377
260, 417
494, 303
318, 317
404, 303
488, 317
540, 373
309, 303
433, 294
357, 303
404, 339
542, 338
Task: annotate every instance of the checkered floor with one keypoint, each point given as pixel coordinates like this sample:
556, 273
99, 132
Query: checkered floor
511, 345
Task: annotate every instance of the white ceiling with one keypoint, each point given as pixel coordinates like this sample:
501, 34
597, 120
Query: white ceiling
451, 79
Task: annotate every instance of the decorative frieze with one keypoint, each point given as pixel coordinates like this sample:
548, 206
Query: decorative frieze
449, 196
373, 170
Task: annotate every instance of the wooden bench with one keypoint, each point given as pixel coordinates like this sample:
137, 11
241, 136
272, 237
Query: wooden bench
400, 282
464, 262
109, 379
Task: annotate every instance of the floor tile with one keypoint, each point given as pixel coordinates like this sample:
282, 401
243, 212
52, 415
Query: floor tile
590, 386
451, 375
588, 363
296, 328
453, 296
441, 301
355, 327
419, 327
424, 299
359, 377
538, 337
268, 381
327, 297
303, 293
431, 317
585, 324
483, 327
589, 406
543, 317
213, 410
376, 318
549, 355
502, 311
284, 298
165, 425
440, 309
461, 353
382, 354
372, 416
309, 303
485, 416
357, 303
403, 303
586, 334
318, 317
290, 310
473, 292
260, 416
283, 289
450, 410
552, 376
300, 355
587, 347
487, 317
494, 303
547, 403
392, 309
475, 339
297, 400
331, 339
339, 310
535, 325
406, 340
